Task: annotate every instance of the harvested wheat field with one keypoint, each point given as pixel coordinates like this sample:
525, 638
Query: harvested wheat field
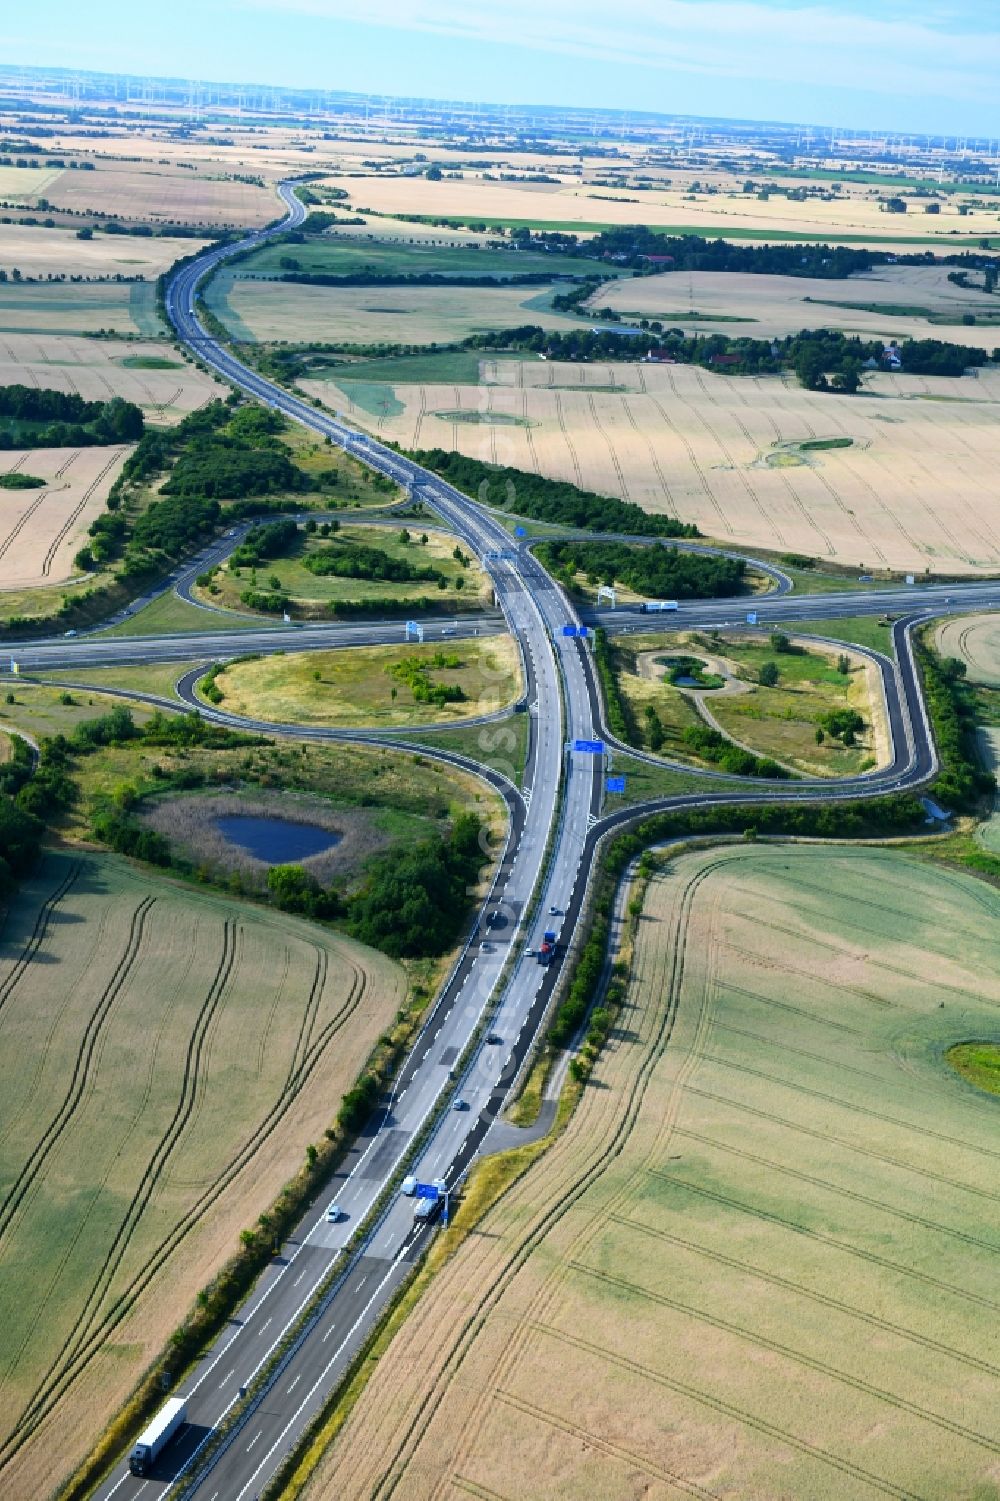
890, 302
126, 1174
58, 252
914, 488
163, 193
855, 217
41, 530
761, 1261
152, 375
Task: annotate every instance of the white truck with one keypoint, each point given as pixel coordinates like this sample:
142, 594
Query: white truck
654, 606
151, 1443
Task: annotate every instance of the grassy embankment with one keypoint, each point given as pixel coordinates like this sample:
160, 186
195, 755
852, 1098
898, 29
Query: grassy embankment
776, 720
386, 687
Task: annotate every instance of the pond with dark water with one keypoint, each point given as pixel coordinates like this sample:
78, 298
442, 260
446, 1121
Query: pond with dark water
276, 841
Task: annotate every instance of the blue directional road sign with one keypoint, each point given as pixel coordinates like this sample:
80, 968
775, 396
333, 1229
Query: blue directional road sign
569, 630
615, 784
582, 631
426, 1191
751, 617
519, 531
592, 747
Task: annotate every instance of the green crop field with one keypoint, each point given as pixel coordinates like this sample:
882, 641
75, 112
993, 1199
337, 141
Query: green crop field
761, 1260
446, 367
165, 1054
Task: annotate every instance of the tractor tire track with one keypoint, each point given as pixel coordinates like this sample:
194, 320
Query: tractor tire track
561, 419
847, 1193
812, 1295
615, 461
57, 540
653, 458
777, 1120
864, 1110
798, 1357
589, 1439
740, 1414
685, 442
82, 1072
38, 933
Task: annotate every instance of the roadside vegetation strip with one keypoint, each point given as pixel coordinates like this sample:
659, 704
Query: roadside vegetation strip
400, 1440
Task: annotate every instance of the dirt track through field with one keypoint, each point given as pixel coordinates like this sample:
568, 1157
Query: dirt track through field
756, 1263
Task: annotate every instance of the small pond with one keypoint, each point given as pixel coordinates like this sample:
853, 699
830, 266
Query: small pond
276, 841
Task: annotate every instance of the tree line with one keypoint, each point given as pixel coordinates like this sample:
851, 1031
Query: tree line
542, 499
821, 358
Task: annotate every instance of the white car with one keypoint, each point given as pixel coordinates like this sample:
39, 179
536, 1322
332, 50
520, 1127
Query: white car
409, 1187
334, 1213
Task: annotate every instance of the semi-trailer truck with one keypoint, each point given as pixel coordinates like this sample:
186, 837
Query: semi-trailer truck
150, 1445
547, 952
653, 606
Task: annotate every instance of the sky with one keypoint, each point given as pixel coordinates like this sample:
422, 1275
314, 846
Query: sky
878, 64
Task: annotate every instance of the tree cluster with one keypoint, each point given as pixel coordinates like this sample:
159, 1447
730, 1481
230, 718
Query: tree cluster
657, 571
711, 745
57, 419
821, 358
632, 243
414, 902
952, 708
356, 560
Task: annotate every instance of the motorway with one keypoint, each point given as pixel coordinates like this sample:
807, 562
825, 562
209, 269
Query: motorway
554, 830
